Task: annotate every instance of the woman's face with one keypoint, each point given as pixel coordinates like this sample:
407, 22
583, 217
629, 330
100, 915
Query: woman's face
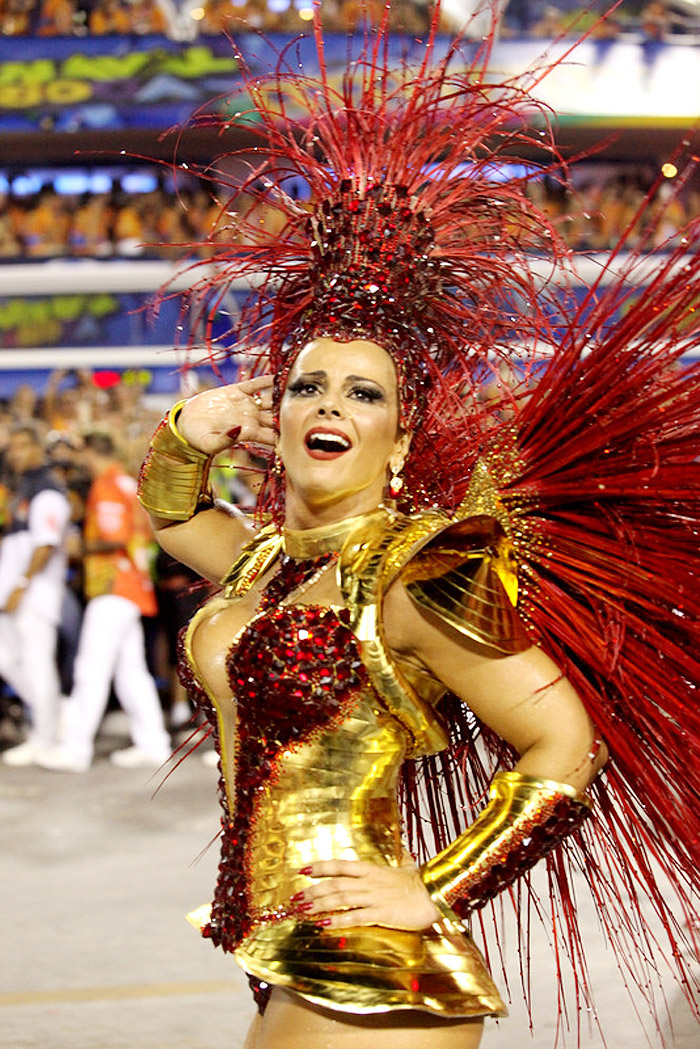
339, 430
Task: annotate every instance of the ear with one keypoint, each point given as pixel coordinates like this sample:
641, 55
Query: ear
402, 447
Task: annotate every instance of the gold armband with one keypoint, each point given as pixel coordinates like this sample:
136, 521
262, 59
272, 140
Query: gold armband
524, 820
174, 477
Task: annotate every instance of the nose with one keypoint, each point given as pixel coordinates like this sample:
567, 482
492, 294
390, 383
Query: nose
329, 406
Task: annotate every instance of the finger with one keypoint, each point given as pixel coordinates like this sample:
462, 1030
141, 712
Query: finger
259, 405
341, 895
257, 384
370, 915
264, 436
357, 917
336, 868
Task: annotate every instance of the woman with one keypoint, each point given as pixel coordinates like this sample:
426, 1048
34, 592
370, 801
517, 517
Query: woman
330, 664
340, 442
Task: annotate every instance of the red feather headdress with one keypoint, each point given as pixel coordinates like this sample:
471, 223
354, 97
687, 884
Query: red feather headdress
407, 239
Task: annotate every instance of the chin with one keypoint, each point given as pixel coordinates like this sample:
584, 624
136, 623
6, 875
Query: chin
325, 495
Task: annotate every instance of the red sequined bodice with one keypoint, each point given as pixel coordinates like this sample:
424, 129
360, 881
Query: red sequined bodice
293, 671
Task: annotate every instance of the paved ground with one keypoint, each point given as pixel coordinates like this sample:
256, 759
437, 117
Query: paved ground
96, 875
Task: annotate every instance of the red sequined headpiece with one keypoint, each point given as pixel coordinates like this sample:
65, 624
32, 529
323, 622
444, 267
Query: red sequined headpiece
375, 277
407, 239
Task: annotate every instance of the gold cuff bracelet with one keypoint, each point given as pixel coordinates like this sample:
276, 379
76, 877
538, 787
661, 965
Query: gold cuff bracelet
174, 477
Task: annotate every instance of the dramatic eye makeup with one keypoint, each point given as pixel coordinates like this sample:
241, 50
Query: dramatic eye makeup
366, 392
307, 383
302, 386
355, 386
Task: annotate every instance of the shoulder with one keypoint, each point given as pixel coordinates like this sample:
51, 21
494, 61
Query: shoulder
459, 568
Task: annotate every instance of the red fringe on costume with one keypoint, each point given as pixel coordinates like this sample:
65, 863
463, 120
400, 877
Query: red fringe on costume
592, 439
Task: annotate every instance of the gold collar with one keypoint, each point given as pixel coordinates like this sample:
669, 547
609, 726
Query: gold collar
305, 543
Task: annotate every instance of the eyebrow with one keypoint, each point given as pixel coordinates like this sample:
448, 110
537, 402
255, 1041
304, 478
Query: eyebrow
321, 374
364, 378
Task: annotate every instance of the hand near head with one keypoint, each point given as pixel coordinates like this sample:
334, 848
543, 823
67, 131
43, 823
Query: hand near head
239, 413
352, 892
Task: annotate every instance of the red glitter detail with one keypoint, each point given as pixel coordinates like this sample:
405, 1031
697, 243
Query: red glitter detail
294, 672
526, 843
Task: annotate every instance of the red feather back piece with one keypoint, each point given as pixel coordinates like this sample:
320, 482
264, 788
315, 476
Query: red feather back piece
598, 466
594, 451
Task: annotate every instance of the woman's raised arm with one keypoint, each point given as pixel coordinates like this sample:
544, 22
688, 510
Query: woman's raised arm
174, 482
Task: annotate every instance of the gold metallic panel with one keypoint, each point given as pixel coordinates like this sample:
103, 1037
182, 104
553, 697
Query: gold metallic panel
256, 557
335, 797
362, 575
467, 575
174, 478
368, 969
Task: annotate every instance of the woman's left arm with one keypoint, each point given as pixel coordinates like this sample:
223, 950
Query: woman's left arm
523, 697
526, 700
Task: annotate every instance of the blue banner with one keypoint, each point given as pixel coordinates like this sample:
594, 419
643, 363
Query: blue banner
84, 319
152, 82
147, 82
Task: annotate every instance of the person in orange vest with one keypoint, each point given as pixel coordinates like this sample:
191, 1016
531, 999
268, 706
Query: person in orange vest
111, 648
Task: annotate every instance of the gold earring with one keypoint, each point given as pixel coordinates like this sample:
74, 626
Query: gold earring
396, 482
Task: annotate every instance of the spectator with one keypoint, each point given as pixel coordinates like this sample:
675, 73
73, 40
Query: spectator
180, 592
58, 18
109, 16
47, 223
655, 21
550, 25
10, 244
90, 229
23, 404
32, 583
16, 17
69, 402
111, 647
128, 230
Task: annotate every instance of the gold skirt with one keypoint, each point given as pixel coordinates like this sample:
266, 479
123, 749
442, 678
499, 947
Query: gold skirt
368, 969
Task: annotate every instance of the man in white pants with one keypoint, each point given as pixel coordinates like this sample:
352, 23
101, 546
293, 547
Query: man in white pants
111, 646
32, 584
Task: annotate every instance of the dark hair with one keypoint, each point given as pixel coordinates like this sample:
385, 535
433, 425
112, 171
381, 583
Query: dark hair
31, 429
99, 441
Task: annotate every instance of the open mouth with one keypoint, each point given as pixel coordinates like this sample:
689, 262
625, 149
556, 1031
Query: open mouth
326, 444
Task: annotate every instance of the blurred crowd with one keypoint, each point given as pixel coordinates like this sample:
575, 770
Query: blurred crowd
162, 224
98, 225
90, 608
598, 212
204, 17
654, 19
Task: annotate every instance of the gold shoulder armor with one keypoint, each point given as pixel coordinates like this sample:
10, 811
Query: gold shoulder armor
467, 575
460, 568
466, 572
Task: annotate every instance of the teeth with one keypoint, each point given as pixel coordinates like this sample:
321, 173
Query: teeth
328, 441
